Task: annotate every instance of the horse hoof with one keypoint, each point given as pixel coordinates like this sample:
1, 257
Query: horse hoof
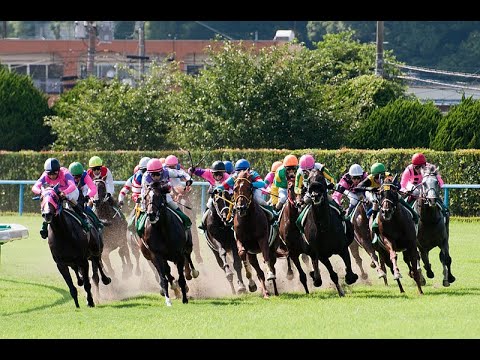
188, 276
446, 283
242, 289
195, 273
290, 275
451, 279
351, 278
252, 287
372, 265
382, 274
364, 276
317, 283
106, 280
168, 302
430, 274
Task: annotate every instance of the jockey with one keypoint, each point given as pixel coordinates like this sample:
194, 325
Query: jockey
377, 177
271, 191
307, 163
228, 167
349, 181
283, 174
99, 171
156, 173
412, 176
176, 173
137, 178
86, 190
126, 187
257, 183
55, 174
215, 176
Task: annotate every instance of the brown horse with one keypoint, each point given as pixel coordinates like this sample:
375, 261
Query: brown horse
165, 239
71, 246
251, 228
220, 238
397, 233
363, 239
326, 233
289, 233
433, 227
114, 230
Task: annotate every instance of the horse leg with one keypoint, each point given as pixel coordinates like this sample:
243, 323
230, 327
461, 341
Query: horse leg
271, 264
333, 275
301, 273
412, 259
446, 261
77, 274
289, 268
106, 258
160, 265
426, 263
350, 276
393, 258
355, 253
315, 273
196, 244
96, 280
68, 279
84, 268
181, 280
252, 258
127, 265
237, 265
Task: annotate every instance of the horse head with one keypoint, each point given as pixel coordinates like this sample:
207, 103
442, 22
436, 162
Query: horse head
242, 193
51, 203
221, 204
156, 201
317, 187
388, 197
430, 189
101, 195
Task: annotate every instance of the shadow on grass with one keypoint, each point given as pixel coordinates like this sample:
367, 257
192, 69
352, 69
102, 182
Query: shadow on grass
65, 297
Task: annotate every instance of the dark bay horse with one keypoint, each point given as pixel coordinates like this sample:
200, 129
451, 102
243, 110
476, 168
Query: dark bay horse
326, 233
114, 230
71, 246
433, 227
363, 239
220, 238
289, 233
397, 233
251, 229
165, 239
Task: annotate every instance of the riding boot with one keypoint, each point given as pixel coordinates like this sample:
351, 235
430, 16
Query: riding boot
83, 217
187, 223
44, 230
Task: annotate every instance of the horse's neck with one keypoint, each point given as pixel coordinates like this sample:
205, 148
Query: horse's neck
429, 214
321, 212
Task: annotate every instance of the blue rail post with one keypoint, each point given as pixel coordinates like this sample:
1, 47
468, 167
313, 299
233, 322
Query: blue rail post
20, 200
446, 199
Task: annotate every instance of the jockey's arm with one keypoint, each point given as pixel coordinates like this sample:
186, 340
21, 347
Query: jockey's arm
92, 189
109, 182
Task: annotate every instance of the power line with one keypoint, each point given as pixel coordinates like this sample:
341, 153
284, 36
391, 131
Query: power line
214, 30
438, 83
441, 72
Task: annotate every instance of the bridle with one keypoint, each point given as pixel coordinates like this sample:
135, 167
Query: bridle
388, 206
242, 202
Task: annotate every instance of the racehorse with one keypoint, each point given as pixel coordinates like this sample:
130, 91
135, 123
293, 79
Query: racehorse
251, 228
165, 239
290, 234
363, 239
114, 230
325, 232
220, 238
71, 246
433, 227
397, 233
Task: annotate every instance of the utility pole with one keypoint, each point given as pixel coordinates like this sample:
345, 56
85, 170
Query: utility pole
379, 66
92, 38
141, 46
4, 29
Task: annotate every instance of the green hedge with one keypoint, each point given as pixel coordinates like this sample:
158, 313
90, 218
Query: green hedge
456, 167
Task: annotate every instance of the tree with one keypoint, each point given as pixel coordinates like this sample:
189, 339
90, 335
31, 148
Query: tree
460, 129
22, 108
403, 123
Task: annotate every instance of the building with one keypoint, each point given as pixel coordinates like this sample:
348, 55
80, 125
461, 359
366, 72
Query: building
55, 64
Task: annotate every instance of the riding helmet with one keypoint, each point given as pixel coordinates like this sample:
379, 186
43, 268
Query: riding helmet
218, 166
143, 163
228, 166
377, 168
355, 170
75, 168
242, 164
290, 161
307, 162
51, 164
419, 159
95, 161
171, 160
154, 165
275, 166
